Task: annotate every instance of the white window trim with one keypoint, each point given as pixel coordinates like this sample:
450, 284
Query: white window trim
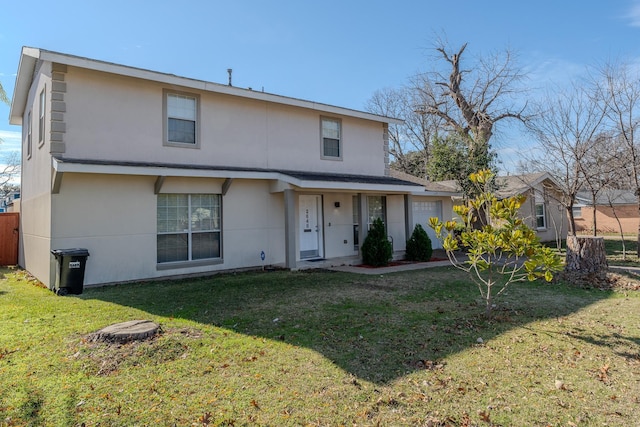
29, 135
190, 262
165, 120
340, 140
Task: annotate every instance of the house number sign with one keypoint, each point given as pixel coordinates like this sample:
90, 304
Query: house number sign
307, 227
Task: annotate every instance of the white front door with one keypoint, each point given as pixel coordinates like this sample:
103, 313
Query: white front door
310, 230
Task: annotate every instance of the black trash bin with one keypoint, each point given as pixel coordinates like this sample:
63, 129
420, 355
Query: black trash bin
70, 272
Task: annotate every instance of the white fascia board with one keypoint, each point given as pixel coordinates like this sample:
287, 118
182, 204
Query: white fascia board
171, 79
427, 193
350, 186
28, 59
61, 166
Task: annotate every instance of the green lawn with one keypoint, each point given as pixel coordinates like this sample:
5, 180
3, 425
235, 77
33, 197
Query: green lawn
320, 349
615, 253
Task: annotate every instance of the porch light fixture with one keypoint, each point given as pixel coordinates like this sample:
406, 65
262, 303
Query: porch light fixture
336, 204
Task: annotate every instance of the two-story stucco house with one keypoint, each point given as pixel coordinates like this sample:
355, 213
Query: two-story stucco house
159, 175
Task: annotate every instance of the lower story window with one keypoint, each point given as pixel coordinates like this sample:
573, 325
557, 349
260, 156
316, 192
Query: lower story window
377, 206
189, 227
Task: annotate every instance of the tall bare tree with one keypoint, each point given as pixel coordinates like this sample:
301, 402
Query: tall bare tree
472, 100
566, 127
600, 170
618, 90
452, 101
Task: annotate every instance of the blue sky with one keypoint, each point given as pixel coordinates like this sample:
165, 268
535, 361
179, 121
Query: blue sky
334, 52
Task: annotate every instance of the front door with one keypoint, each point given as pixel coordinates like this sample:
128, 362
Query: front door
310, 231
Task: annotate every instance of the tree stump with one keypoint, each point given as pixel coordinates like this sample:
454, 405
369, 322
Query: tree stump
586, 255
133, 330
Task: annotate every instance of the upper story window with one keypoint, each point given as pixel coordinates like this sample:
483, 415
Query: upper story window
331, 138
43, 99
181, 118
29, 132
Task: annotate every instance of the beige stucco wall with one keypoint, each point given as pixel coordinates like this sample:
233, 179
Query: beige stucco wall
114, 217
120, 118
35, 224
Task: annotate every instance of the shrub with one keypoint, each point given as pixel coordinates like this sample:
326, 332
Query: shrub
376, 249
419, 245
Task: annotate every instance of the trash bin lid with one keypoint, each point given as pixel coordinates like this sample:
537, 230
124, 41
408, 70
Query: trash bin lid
70, 252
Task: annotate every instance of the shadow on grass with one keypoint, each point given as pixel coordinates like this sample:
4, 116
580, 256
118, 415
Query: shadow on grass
377, 328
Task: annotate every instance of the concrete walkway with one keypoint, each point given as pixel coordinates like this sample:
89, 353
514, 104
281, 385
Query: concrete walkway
628, 269
352, 265
391, 269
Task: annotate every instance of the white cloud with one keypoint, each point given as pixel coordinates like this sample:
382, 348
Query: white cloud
11, 141
634, 15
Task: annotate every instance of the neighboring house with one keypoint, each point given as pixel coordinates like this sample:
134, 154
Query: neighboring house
159, 175
542, 209
609, 204
10, 202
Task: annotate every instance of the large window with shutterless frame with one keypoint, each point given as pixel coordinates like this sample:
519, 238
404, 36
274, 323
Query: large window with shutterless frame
189, 227
181, 119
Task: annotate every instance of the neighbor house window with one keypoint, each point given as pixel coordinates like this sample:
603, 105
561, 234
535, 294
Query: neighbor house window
377, 208
43, 98
181, 119
189, 227
541, 221
29, 133
331, 138
577, 211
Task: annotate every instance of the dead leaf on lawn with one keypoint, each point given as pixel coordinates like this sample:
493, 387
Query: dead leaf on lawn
603, 374
484, 416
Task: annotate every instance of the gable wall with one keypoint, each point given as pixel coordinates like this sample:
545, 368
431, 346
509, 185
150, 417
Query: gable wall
35, 223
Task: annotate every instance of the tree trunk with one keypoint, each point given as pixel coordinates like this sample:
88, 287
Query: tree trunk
586, 255
572, 221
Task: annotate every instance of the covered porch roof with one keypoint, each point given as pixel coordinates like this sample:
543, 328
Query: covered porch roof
284, 179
